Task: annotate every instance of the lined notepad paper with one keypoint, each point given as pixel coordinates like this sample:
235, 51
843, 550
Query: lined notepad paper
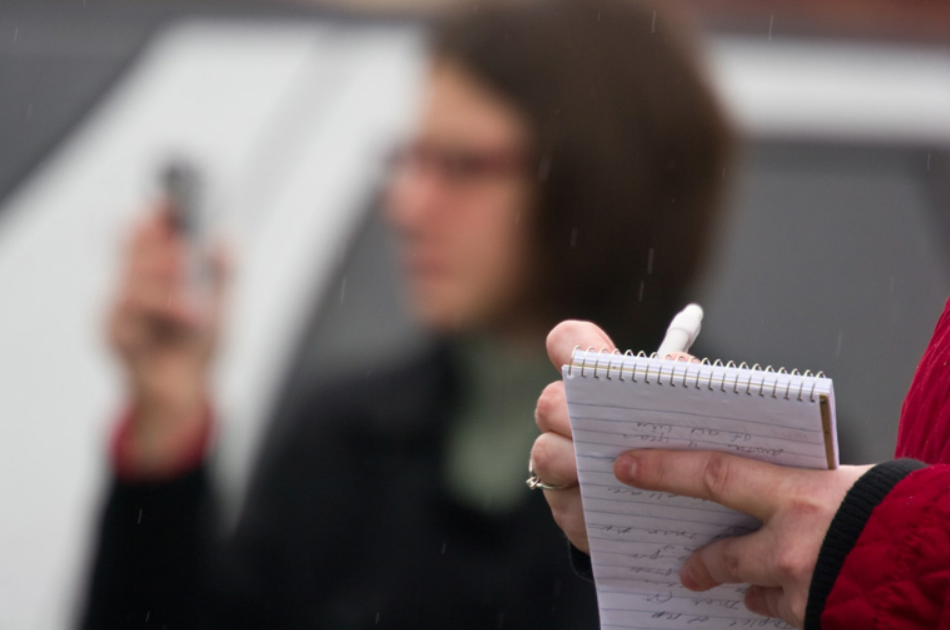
640, 539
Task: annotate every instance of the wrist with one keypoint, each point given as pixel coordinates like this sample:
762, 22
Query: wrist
849, 521
155, 442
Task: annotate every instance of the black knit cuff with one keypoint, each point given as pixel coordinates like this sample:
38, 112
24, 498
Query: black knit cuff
866, 494
580, 562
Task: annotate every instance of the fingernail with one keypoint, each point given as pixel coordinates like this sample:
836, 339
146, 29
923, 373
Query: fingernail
625, 468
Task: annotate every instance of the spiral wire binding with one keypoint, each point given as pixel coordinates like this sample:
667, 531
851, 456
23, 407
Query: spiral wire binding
730, 375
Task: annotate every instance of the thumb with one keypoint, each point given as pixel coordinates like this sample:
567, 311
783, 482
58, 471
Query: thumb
569, 334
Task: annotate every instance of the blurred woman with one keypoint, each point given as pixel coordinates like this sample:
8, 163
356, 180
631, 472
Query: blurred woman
567, 163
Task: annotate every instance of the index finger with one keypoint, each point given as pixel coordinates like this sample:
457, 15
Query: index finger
743, 484
572, 333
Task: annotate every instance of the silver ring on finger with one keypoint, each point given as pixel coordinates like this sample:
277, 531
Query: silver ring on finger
535, 483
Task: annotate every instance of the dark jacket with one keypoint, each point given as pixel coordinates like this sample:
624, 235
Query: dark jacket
347, 524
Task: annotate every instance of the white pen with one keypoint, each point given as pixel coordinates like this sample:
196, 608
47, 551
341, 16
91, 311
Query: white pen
682, 332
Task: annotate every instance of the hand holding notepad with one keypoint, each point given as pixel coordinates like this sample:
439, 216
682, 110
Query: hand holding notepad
641, 536
794, 505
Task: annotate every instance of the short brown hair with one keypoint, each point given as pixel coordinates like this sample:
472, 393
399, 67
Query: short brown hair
629, 143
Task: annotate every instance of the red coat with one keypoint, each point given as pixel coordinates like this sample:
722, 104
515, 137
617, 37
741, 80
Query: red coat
897, 574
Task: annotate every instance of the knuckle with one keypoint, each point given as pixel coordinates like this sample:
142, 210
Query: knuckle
791, 564
716, 474
542, 454
730, 561
649, 472
810, 509
548, 403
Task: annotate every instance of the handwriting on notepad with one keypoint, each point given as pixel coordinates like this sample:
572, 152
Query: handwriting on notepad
639, 539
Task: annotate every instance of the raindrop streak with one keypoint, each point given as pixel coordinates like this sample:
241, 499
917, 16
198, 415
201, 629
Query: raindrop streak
653, 24
342, 290
771, 22
650, 262
16, 34
140, 517
444, 545
377, 619
642, 286
838, 347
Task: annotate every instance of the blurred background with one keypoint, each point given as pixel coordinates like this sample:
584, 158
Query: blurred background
834, 255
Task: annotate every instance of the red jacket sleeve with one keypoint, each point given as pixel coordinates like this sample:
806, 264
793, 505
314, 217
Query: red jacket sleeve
897, 574
924, 431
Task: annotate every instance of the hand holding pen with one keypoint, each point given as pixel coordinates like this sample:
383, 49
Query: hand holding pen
552, 457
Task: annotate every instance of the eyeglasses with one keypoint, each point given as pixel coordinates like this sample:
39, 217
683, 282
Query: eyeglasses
457, 165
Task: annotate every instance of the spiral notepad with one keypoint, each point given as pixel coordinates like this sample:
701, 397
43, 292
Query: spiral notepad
639, 539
